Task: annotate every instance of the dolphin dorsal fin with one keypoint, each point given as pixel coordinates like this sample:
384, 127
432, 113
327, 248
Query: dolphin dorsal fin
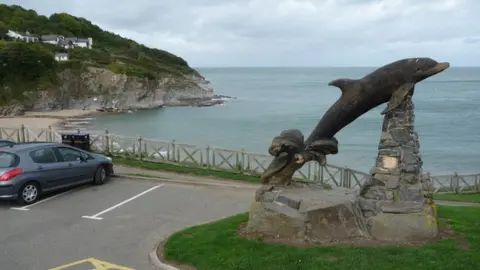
344, 84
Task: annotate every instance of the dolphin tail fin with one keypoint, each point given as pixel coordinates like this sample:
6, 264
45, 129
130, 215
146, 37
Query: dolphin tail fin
398, 97
344, 84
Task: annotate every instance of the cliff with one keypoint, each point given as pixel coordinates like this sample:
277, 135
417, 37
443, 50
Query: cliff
111, 72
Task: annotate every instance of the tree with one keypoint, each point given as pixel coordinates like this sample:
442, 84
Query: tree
3, 30
25, 68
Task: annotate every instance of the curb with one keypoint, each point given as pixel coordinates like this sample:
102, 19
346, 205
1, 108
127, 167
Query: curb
153, 257
199, 183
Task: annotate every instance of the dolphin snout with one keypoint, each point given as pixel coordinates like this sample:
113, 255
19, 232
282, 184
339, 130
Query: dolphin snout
440, 67
443, 66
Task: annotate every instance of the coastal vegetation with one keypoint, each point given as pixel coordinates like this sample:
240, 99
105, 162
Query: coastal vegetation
218, 245
24, 66
37, 68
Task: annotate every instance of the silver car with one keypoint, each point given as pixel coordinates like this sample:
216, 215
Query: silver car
28, 170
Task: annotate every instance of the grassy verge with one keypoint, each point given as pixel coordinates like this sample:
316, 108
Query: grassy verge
144, 175
154, 166
473, 197
216, 246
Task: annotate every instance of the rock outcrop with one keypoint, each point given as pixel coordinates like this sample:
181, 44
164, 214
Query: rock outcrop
96, 88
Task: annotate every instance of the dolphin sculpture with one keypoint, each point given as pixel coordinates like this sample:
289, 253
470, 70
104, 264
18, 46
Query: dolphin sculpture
390, 83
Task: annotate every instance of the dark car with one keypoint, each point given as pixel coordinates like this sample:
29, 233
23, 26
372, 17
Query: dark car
28, 170
6, 143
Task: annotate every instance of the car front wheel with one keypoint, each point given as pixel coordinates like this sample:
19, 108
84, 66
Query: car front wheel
100, 176
29, 193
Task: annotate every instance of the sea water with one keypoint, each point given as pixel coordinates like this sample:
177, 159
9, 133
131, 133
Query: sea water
269, 100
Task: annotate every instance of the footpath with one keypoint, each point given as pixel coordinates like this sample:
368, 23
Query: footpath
175, 178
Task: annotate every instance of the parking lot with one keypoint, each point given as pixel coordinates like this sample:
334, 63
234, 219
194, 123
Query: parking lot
113, 226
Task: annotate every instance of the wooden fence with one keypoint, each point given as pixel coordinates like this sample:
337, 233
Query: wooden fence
239, 161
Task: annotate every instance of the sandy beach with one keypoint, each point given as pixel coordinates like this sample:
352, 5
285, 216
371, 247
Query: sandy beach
44, 119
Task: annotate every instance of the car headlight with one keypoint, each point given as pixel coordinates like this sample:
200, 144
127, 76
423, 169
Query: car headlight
109, 158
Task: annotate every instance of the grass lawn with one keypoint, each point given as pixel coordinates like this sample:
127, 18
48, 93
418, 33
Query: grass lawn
474, 197
216, 246
184, 169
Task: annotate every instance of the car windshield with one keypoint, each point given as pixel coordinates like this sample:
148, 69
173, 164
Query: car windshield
8, 160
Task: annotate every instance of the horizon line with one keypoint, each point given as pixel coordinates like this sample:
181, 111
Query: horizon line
309, 66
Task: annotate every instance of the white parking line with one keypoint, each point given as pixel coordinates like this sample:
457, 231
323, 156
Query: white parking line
97, 215
26, 207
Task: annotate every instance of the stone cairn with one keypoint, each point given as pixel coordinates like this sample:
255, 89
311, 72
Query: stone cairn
397, 204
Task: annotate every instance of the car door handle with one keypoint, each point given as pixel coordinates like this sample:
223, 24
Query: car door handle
40, 168
70, 164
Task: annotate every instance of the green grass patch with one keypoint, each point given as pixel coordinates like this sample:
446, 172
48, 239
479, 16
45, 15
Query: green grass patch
471, 197
185, 170
215, 246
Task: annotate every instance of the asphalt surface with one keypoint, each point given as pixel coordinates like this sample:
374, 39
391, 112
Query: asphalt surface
118, 223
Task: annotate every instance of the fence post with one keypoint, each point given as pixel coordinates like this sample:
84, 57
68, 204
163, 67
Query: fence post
208, 155
344, 177
477, 183
106, 142
242, 161
22, 134
320, 174
49, 134
346, 182
214, 153
309, 171
174, 151
140, 148
456, 183
315, 171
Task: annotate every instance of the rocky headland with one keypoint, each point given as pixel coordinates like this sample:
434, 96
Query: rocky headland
108, 73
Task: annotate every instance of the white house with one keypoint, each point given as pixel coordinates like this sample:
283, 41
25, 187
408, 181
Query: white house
51, 39
74, 42
27, 37
65, 42
61, 56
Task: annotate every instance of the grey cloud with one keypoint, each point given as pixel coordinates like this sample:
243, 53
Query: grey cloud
288, 32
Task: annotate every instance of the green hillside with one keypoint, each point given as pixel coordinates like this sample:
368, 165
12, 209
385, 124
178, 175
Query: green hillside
28, 68
119, 54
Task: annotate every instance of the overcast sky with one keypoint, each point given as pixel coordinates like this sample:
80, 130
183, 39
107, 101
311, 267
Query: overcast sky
289, 32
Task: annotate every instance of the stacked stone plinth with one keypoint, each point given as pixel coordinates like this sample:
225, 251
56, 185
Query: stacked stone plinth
394, 203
